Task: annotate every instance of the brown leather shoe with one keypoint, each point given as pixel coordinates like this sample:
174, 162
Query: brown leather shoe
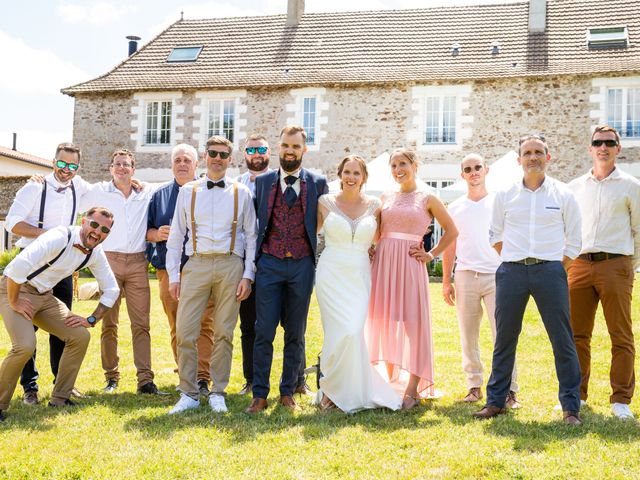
288, 402
474, 395
571, 417
304, 390
489, 411
257, 405
246, 389
512, 400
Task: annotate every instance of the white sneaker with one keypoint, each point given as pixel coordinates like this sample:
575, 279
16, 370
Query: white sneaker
583, 403
622, 411
185, 403
216, 402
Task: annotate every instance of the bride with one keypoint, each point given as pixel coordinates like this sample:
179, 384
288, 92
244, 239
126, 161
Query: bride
343, 283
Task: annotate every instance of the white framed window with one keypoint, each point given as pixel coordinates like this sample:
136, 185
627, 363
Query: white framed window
439, 123
155, 118
221, 113
618, 105
222, 118
157, 129
310, 118
309, 110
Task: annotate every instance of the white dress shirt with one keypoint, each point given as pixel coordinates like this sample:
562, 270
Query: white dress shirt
245, 179
46, 247
295, 186
610, 213
543, 224
129, 230
472, 219
213, 218
58, 205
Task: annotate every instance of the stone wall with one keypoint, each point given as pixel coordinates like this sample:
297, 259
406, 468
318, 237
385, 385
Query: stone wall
9, 186
375, 119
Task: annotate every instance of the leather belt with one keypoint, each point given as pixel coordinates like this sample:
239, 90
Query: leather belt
599, 256
530, 261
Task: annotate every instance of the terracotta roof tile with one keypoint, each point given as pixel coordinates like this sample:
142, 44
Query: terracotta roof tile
24, 157
379, 47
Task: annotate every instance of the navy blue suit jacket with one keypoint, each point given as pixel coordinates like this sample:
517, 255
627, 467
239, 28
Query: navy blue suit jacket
311, 185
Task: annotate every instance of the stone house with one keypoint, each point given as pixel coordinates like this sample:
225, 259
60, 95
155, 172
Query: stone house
445, 81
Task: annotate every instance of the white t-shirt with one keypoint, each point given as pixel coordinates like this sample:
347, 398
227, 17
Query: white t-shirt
473, 250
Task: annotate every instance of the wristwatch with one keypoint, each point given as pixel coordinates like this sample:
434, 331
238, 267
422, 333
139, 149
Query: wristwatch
92, 320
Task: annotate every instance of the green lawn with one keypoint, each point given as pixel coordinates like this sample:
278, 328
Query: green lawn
130, 436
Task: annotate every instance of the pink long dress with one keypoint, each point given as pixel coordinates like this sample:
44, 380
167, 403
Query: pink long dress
398, 329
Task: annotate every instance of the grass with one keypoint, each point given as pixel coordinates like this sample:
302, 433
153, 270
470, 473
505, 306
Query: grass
125, 435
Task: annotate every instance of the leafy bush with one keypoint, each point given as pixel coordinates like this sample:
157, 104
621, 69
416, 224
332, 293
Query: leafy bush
6, 257
435, 268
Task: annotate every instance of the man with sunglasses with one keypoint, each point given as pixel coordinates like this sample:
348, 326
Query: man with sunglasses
535, 227
287, 210
125, 251
184, 163
604, 271
476, 264
26, 299
37, 208
216, 216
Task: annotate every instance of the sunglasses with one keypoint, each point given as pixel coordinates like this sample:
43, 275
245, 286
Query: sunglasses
103, 229
608, 143
214, 154
254, 150
121, 165
476, 168
71, 166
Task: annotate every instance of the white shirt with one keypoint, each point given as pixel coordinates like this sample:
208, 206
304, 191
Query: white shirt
245, 179
58, 206
295, 186
46, 247
213, 218
543, 224
610, 213
472, 219
129, 230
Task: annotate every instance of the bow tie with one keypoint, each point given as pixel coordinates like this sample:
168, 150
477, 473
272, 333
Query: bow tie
211, 184
84, 250
62, 189
290, 179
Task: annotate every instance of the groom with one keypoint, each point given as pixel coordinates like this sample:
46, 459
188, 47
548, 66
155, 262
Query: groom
286, 202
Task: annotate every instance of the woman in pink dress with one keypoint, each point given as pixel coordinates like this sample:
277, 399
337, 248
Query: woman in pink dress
399, 324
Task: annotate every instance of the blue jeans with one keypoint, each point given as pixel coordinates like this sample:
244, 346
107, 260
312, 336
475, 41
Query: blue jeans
547, 284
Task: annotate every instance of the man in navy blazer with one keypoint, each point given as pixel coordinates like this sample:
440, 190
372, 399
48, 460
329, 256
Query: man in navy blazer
287, 206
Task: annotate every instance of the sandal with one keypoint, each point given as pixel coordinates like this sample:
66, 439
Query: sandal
326, 404
408, 402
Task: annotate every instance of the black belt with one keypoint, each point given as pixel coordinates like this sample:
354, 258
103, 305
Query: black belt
530, 261
599, 256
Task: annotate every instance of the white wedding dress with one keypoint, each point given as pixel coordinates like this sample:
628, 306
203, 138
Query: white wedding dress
343, 284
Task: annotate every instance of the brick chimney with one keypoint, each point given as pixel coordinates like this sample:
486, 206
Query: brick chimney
295, 9
537, 16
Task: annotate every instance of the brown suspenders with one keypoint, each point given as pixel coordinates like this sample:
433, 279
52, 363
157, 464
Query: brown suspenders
234, 224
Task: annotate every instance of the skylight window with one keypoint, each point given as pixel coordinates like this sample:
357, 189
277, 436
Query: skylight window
607, 37
184, 54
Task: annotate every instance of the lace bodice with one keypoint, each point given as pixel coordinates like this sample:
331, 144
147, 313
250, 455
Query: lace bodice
341, 231
405, 213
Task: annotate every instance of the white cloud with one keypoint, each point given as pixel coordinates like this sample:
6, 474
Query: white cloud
34, 70
96, 13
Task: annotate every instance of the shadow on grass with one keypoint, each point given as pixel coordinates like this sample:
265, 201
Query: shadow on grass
314, 424
535, 435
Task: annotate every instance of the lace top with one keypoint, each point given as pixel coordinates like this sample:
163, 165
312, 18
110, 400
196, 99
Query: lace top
405, 212
342, 231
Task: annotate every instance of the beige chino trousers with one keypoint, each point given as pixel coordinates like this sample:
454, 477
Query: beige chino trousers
50, 314
204, 276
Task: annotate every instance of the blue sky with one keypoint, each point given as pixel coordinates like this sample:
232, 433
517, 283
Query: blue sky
46, 45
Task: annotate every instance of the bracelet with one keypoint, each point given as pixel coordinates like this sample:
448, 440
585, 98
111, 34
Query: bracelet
432, 256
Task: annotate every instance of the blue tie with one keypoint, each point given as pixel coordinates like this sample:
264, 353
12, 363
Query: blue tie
289, 193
